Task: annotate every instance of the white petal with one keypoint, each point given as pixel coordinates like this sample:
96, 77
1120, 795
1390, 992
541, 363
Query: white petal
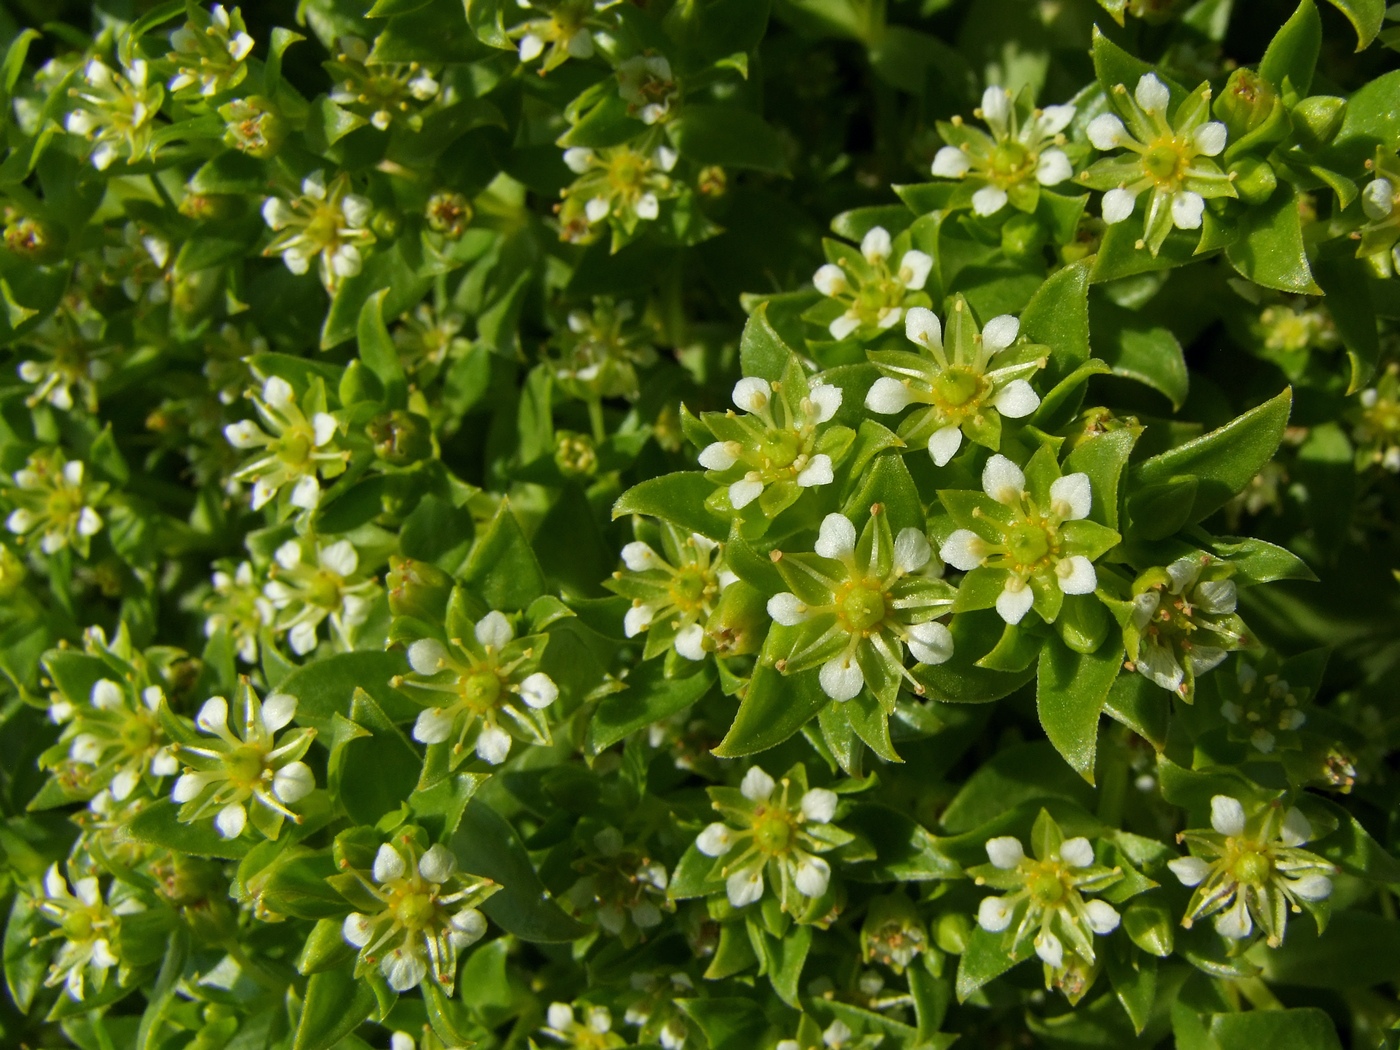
930, 643
1209, 138
1003, 480
744, 492
560, 1015
245, 434
993, 914
963, 550
340, 558
278, 710
1118, 205
303, 638
1296, 830
1227, 815
1016, 400
1378, 199
1005, 852
102, 956
812, 877
1103, 917
716, 456
757, 786
1217, 596
538, 690
837, 537
164, 763
826, 398
213, 715
106, 694
911, 551
187, 787
921, 326
830, 280
1187, 208
402, 1041
493, 630
293, 782
1077, 852
325, 426
1106, 132
665, 157
403, 971
639, 557
914, 269
388, 864
356, 210
578, 159
278, 393
951, 163
1076, 575
277, 213
433, 725
1234, 923
943, 444
437, 864
493, 745
843, 325
467, 927
989, 200
745, 887
597, 209
715, 841
1151, 94
1014, 601
819, 805
752, 394
1000, 332
123, 784
288, 555
1053, 168
346, 261
231, 820
875, 245
637, 619
817, 472
841, 678
689, 642
1054, 119
427, 656
1190, 871
306, 494
787, 609
1312, 887
531, 47
647, 206
887, 396
1050, 950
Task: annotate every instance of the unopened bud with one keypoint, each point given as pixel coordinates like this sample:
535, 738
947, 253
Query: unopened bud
448, 213
1316, 120
401, 438
740, 621
893, 933
1255, 180
1248, 104
574, 454
418, 589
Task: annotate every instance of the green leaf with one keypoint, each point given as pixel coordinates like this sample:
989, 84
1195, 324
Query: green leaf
1350, 846
335, 1005
1133, 975
1293, 51
905, 850
25, 968
1058, 317
772, 707
678, 498
1103, 458
1070, 692
1135, 349
1225, 460
326, 687
1305, 1029
987, 958
762, 351
378, 352
1348, 289
729, 136
502, 569
727, 1024
1366, 16
784, 958
1259, 561
1114, 66
1360, 949
396, 764
649, 697
487, 845
1269, 250
1017, 774
156, 824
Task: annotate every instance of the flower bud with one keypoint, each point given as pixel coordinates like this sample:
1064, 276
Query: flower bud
574, 454
207, 207
1316, 120
448, 213
893, 932
1255, 180
32, 239
1083, 623
418, 589
740, 621
1247, 104
401, 438
254, 126
1022, 236
386, 223
712, 181
952, 932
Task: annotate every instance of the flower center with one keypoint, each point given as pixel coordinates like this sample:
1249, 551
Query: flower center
626, 172
325, 590
1252, 867
1028, 543
1010, 162
137, 735
415, 910
78, 926
863, 606
1046, 885
244, 765
772, 831
780, 449
689, 588
481, 690
955, 387
875, 297
295, 446
1164, 161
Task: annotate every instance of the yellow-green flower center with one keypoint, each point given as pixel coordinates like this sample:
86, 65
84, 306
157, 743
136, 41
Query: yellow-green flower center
955, 387
1011, 162
1165, 161
481, 690
689, 588
1028, 543
772, 830
863, 606
244, 765
415, 910
1251, 866
1047, 885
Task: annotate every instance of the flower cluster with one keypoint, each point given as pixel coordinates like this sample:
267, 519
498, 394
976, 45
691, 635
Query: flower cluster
87, 929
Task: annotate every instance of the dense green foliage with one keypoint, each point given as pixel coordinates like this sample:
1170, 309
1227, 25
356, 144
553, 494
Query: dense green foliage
708, 524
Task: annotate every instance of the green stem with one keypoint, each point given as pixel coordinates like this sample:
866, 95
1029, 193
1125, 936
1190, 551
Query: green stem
1258, 994
595, 417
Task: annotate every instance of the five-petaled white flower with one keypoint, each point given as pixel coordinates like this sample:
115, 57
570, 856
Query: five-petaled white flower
304, 594
956, 381
1253, 869
116, 111
87, 928
1170, 159
1021, 154
873, 295
53, 499
327, 221
293, 449
673, 591
210, 54
1037, 539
